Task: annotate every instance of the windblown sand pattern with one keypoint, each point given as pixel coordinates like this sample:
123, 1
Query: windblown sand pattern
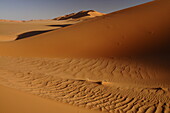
111, 85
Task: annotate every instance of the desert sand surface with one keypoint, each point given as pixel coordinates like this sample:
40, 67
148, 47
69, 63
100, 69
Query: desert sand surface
116, 63
110, 85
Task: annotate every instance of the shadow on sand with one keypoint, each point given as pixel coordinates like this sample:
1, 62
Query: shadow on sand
31, 33
64, 25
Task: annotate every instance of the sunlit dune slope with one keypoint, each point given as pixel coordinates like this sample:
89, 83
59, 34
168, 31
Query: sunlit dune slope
133, 30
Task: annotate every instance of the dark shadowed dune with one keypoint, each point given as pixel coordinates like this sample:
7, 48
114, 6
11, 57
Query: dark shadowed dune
63, 25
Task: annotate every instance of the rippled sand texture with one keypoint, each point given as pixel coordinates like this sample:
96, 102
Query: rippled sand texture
102, 84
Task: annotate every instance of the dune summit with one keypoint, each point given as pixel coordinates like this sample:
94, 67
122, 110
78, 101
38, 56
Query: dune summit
80, 15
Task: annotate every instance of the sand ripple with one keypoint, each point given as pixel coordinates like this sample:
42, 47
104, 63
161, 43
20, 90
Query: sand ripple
111, 85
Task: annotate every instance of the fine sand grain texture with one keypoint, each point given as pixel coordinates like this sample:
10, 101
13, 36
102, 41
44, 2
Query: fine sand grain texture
115, 63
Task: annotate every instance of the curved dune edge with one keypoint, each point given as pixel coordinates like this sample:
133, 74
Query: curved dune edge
20, 102
132, 31
110, 85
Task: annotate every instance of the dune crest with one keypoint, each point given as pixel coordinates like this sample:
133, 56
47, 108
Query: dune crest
79, 15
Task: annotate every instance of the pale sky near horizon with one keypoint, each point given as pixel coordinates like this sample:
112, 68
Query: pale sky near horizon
48, 9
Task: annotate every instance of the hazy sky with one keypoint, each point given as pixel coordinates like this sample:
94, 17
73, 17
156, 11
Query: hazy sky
46, 9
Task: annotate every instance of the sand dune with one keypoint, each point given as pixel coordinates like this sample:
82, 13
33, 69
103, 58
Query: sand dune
130, 71
134, 30
11, 29
3, 20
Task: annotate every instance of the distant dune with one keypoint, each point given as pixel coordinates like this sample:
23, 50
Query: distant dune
11, 29
116, 63
84, 14
80, 15
3, 20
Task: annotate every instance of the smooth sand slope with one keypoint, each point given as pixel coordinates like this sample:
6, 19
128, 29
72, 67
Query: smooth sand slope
130, 31
13, 101
114, 84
